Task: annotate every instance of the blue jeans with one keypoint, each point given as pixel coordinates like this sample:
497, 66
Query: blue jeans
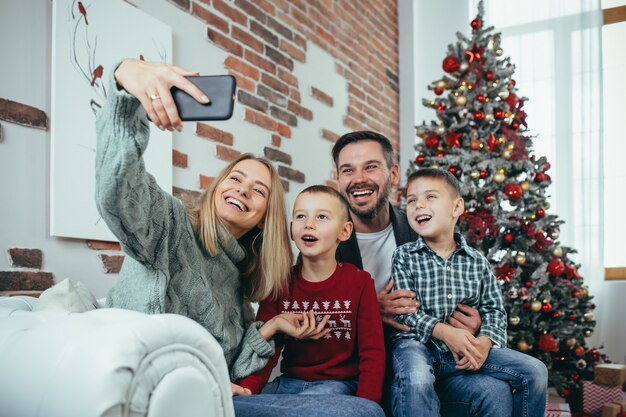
508, 383
296, 405
285, 385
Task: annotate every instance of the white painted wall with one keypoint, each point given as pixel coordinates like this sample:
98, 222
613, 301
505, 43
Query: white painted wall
426, 29
25, 33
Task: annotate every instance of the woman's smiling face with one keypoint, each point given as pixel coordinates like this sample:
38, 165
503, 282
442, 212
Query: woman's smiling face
241, 198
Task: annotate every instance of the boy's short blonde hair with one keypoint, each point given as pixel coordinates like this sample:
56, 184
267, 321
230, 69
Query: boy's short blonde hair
324, 189
436, 173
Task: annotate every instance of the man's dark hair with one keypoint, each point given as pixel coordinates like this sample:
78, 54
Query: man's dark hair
436, 173
353, 137
325, 189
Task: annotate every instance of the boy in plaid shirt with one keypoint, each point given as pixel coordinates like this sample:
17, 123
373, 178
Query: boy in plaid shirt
444, 271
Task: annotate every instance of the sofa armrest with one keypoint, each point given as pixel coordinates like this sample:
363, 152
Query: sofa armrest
110, 362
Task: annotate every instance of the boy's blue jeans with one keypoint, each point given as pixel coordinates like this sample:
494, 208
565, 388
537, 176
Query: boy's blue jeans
286, 385
508, 383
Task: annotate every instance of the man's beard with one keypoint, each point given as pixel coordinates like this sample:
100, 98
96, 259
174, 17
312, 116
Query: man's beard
383, 200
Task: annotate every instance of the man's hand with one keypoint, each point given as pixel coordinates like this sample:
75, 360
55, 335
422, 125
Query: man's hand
392, 304
239, 390
466, 318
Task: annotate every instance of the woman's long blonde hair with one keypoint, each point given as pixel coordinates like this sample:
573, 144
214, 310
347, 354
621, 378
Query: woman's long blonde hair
268, 252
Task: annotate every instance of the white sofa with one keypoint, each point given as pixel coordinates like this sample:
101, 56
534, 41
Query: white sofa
108, 362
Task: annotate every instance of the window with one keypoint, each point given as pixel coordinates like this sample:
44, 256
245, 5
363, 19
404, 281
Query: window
614, 68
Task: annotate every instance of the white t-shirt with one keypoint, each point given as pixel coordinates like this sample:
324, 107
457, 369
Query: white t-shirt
376, 251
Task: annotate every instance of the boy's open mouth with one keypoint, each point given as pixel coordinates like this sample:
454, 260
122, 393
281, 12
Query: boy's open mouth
423, 218
309, 238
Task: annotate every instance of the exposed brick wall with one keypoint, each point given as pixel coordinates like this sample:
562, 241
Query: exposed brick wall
25, 277
263, 39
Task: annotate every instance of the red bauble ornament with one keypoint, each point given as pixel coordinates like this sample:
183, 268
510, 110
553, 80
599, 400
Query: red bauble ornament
547, 343
480, 98
483, 173
451, 64
440, 154
475, 24
508, 238
557, 314
526, 305
556, 267
575, 377
419, 159
540, 177
513, 191
441, 106
432, 141
572, 317
566, 392
515, 125
540, 212
528, 284
546, 166
579, 351
546, 307
453, 170
489, 198
523, 293
498, 114
479, 115
438, 91
490, 75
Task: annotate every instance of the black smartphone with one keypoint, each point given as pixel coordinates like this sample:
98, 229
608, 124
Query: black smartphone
221, 91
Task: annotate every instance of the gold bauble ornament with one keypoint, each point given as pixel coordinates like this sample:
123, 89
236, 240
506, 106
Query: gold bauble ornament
489, 117
514, 320
520, 258
441, 84
499, 177
474, 175
421, 131
522, 346
461, 100
499, 51
535, 306
588, 315
525, 185
440, 129
588, 333
557, 252
434, 165
508, 120
503, 94
585, 291
571, 342
506, 154
464, 66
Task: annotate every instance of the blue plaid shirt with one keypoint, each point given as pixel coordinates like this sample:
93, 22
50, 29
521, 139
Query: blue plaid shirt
466, 277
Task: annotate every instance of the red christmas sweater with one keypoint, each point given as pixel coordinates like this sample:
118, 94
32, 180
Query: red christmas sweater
354, 348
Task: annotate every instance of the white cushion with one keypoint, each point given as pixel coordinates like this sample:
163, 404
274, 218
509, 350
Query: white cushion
68, 296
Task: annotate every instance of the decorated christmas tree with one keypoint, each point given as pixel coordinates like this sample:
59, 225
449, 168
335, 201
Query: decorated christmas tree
481, 136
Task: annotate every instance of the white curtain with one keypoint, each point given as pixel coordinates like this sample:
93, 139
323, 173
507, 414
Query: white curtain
556, 47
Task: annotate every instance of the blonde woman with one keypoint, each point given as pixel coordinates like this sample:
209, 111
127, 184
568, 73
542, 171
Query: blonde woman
205, 261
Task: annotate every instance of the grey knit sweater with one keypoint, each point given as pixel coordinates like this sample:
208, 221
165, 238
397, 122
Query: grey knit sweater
166, 269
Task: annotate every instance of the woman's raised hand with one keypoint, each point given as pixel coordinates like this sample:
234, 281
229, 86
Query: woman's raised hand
150, 83
296, 325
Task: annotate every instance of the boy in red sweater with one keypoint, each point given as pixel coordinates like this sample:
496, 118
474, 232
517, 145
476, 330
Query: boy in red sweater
348, 356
